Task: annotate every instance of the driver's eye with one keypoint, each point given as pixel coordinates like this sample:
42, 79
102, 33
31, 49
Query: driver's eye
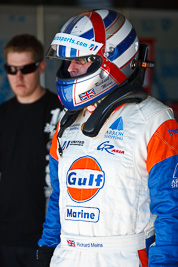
80, 61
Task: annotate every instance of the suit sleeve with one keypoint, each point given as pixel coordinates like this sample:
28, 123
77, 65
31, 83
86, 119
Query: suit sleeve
162, 166
51, 226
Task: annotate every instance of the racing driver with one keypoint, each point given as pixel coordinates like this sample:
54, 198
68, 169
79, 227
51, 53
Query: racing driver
114, 156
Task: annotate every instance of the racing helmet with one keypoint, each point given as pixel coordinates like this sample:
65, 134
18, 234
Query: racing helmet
107, 40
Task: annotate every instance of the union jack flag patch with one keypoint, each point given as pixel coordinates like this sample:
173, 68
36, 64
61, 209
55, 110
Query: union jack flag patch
71, 243
88, 94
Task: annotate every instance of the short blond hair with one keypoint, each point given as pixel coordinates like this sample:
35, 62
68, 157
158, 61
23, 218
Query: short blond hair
25, 43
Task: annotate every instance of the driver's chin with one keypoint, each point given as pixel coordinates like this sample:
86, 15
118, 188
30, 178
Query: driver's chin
73, 74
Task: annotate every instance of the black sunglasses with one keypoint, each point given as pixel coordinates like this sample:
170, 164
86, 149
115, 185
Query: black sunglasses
29, 68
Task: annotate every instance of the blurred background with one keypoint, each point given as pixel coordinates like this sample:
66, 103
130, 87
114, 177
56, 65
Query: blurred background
155, 21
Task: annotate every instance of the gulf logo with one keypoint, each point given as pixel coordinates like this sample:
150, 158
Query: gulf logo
85, 178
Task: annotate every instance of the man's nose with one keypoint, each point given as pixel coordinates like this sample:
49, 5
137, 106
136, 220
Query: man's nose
19, 74
72, 65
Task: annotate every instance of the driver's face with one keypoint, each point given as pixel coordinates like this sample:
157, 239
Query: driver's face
78, 67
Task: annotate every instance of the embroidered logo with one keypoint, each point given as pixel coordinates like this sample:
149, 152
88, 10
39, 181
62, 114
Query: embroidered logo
172, 131
72, 143
174, 183
106, 146
115, 131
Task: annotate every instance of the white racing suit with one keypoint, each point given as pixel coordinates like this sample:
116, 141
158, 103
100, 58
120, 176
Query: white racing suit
109, 189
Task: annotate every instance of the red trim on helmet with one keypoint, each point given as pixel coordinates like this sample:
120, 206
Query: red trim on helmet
99, 32
100, 36
114, 22
117, 75
117, 29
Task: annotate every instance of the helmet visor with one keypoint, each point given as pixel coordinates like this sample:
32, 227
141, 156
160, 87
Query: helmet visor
52, 52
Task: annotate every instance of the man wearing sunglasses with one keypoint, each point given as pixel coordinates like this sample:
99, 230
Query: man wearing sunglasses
27, 124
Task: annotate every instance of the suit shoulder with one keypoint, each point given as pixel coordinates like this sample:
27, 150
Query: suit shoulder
151, 107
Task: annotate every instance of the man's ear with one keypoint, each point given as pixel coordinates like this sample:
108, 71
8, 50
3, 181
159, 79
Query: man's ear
42, 66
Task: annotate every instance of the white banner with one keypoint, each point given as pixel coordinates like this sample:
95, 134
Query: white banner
76, 42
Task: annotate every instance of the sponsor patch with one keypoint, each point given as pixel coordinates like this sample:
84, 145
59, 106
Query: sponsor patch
85, 214
174, 183
106, 146
115, 131
76, 42
72, 143
85, 178
73, 127
172, 131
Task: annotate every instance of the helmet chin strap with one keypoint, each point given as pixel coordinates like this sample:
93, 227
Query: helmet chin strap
131, 92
